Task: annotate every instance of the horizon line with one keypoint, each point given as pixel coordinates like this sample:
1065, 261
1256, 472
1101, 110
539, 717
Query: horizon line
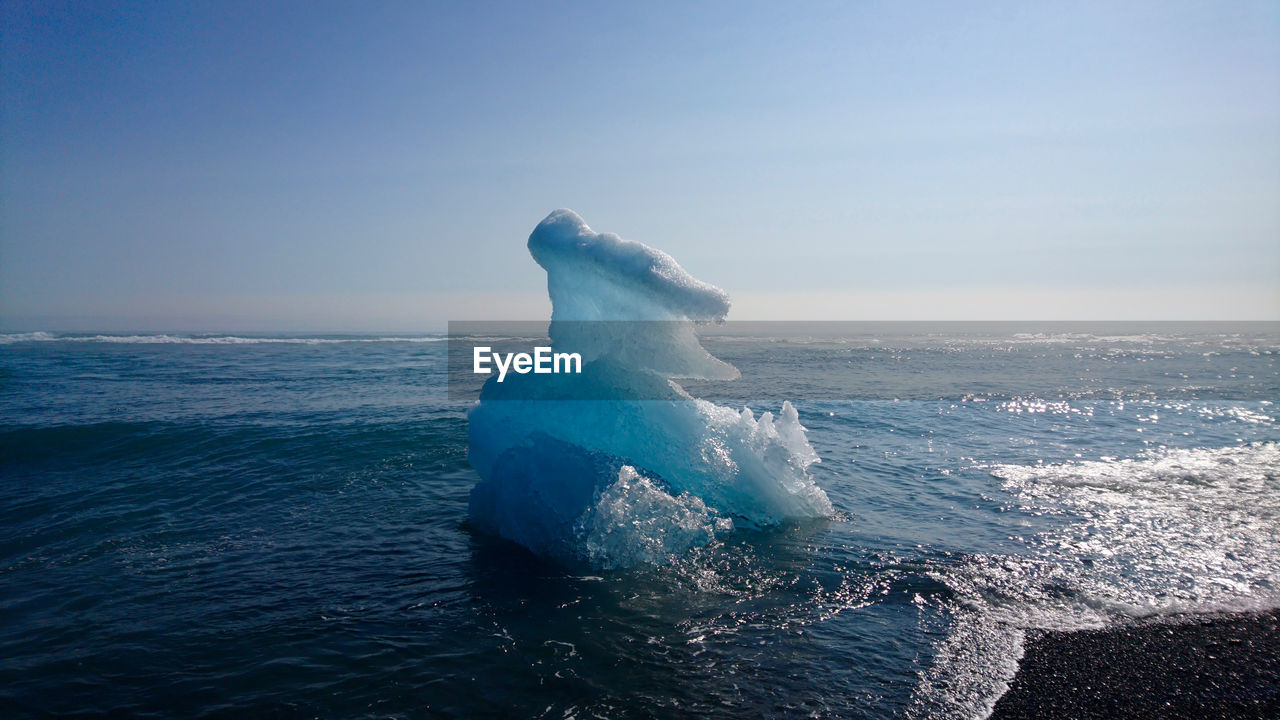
114, 329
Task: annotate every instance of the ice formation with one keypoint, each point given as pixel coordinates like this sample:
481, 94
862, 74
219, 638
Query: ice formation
641, 471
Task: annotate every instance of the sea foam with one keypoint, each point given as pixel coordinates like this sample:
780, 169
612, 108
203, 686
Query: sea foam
641, 471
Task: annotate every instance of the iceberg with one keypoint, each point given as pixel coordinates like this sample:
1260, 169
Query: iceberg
639, 471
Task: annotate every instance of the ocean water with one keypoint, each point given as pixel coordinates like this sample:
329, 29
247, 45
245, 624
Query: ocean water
211, 524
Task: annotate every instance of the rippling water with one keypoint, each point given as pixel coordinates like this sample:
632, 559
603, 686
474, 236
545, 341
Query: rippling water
211, 524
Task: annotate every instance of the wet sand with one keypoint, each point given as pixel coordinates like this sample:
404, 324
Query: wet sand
1218, 667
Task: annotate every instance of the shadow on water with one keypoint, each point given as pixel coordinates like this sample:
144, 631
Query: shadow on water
759, 624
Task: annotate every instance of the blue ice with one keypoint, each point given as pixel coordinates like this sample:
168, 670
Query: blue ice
616, 480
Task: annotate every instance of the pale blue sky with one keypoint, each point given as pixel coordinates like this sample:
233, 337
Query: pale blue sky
356, 166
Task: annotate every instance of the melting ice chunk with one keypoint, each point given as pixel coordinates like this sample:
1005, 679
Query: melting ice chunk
615, 482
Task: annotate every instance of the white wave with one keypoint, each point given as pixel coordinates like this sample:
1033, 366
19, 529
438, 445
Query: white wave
9, 338
1164, 534
1168, 529
635, 521
1086, 337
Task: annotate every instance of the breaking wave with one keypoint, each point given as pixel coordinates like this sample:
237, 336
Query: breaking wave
1167, 533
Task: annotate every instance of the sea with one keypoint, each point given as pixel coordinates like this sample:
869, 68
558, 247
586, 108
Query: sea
196, 525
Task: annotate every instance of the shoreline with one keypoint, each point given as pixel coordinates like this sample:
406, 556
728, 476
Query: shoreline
1222, 666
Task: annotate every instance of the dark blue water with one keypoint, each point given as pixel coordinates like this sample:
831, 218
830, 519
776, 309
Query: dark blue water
277, 526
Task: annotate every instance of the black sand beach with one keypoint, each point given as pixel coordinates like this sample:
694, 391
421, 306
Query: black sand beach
1220, 667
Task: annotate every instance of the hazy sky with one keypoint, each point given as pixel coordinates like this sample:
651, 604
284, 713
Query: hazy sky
364, 165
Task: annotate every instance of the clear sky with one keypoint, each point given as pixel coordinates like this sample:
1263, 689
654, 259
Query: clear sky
361, 165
